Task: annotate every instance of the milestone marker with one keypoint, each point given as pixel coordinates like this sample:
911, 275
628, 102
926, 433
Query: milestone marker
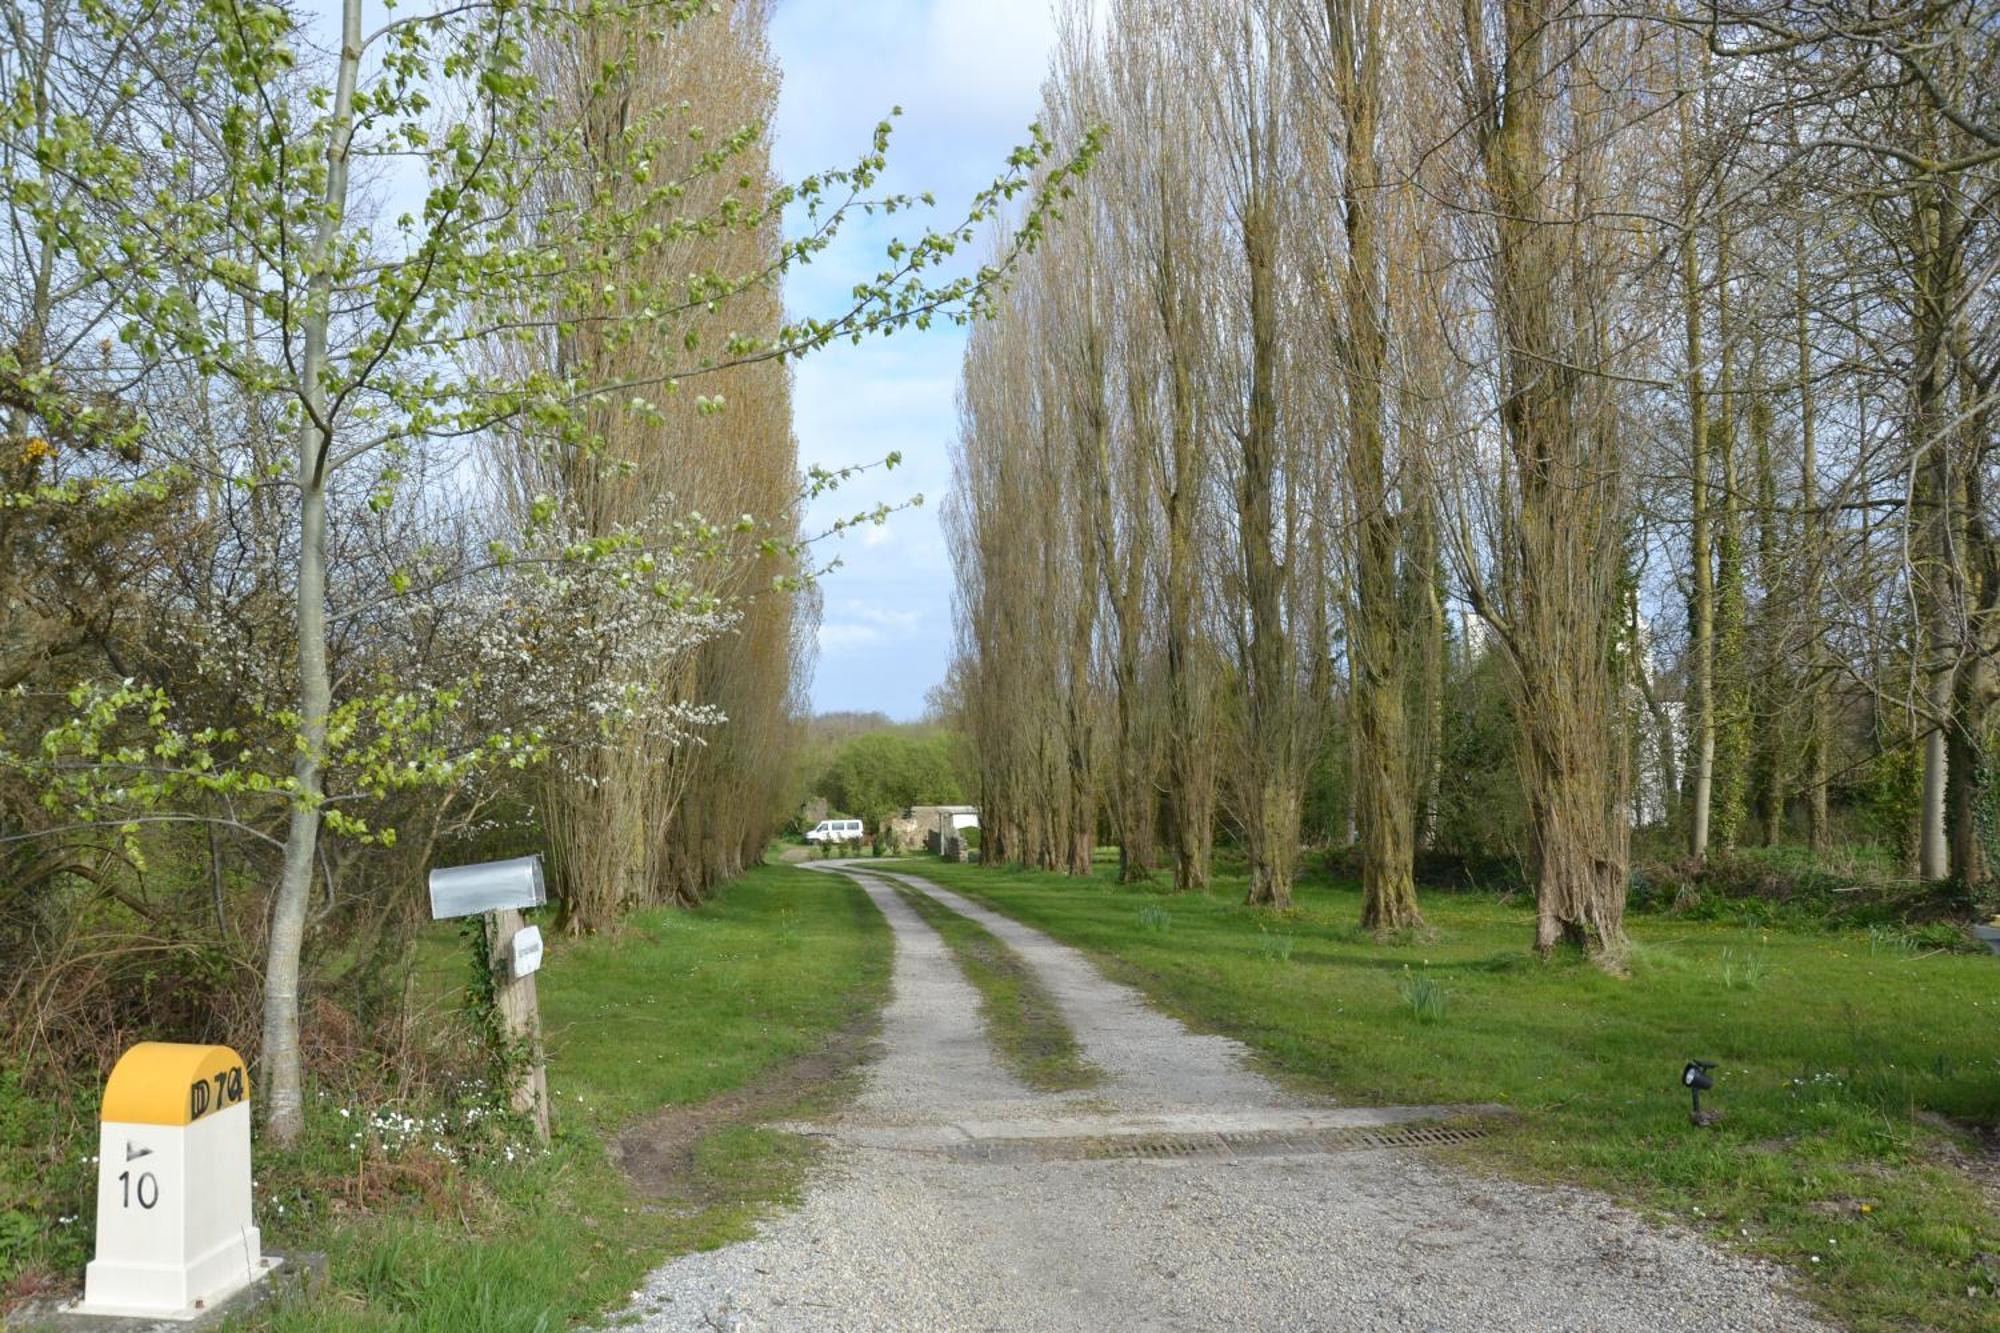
174, 1232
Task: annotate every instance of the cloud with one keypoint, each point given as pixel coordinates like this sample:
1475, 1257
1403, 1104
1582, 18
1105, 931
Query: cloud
843, 637
986, 61
861, 625
967, 73
889, 618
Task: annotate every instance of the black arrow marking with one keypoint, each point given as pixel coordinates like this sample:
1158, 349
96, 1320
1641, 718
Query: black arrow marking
134, 1152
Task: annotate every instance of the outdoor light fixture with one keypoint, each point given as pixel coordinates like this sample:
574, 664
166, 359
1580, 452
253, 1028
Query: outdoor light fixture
1694, 1077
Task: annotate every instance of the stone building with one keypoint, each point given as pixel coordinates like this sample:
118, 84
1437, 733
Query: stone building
932, 827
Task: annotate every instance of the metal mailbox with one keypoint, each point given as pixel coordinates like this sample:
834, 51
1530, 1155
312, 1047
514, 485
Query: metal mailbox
487, 886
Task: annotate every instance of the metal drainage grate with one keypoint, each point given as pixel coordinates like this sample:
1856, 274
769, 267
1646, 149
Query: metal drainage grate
1249, 1143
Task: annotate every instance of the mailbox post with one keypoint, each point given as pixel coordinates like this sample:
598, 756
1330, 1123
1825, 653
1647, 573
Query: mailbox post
498, 890
174, 1233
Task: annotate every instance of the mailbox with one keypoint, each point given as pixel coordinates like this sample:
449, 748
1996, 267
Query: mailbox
488, 886
174, 1234
499, 890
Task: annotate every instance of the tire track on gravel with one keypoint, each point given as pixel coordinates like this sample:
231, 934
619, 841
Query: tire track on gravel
903, 1231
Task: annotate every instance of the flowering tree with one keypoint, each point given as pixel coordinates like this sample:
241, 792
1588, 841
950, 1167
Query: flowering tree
224, 213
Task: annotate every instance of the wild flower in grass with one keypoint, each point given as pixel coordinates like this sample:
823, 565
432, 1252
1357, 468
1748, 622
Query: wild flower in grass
1425, 995
1275, 948
1819, 1088
1155, 919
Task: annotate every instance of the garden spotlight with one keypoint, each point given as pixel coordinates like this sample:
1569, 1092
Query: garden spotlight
1694, 1077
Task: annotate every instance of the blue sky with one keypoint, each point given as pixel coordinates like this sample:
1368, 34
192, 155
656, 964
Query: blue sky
968, 75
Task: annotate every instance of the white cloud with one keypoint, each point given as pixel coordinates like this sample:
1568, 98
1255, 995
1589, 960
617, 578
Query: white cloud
967, 73
861, 625
889, 618
843, 637
986, 60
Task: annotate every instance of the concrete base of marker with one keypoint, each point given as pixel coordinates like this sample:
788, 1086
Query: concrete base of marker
283, 1277
220, 1290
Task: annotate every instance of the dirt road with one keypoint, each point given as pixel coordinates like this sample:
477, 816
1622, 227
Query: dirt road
1183, 1192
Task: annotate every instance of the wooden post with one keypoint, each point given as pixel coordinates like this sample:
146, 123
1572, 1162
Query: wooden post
520, 1020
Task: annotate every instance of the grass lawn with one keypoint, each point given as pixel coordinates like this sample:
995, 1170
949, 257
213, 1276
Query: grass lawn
677, 1008
1842, 1055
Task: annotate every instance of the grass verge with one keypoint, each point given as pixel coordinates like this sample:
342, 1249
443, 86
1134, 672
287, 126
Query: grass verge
1859, 1083
1022, 1019
435, 1216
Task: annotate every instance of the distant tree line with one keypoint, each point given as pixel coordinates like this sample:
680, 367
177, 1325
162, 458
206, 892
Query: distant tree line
866, 767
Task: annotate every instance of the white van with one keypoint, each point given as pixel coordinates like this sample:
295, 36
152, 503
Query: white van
836, 830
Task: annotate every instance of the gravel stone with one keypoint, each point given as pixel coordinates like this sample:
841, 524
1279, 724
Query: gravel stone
894, 1234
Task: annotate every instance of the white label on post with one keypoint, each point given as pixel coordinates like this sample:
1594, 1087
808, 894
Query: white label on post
527, 950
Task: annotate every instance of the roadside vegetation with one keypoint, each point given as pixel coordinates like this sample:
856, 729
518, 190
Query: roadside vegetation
1858, 1070
355, 519
438, 1211
1409, 505
1022, 1019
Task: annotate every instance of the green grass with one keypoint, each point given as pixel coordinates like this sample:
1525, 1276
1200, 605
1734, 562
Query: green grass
677, 1008
1839, 1061
1022, 1019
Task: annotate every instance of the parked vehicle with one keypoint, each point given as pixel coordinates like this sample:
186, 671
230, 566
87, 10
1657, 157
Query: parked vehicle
836, 830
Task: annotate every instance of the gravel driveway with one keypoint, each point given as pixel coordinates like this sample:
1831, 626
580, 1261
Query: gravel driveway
957, 1198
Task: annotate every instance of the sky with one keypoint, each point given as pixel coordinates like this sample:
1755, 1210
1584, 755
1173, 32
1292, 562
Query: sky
968, 76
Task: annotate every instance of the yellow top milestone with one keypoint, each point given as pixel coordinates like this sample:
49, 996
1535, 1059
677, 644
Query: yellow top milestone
173, 1083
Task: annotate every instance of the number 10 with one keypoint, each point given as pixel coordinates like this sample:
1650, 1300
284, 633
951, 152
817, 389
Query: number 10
148, 1191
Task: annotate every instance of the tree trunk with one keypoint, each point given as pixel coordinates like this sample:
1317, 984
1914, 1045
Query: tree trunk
1273, 818
283, 1075
1771, 689
1973, 685
1564, 604
1938, 581
1081, 787
1819, 669
1966, 769
1384, 792
1425, 575
1580, 878
1731, 708
1190, 784
1701, 612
